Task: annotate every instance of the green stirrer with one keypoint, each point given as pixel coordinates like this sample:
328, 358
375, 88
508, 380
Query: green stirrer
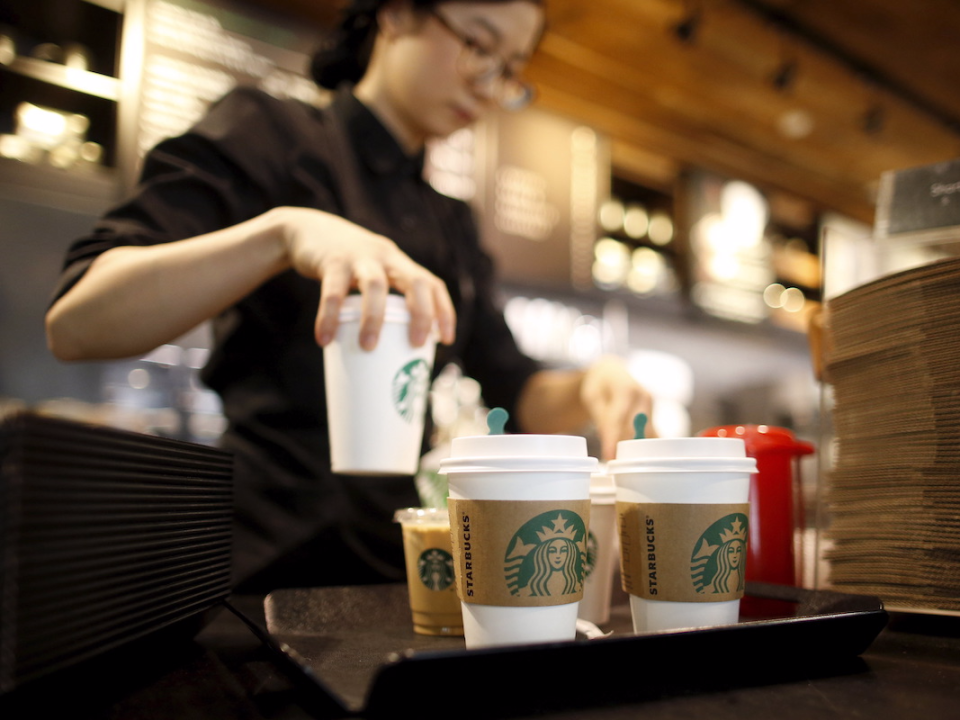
496, 420
639, 425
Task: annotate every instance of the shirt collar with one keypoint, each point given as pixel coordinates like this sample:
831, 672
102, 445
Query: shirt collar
375, 145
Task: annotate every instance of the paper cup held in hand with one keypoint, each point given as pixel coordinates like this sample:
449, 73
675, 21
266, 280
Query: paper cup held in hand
683, 518
376, 399
519, 510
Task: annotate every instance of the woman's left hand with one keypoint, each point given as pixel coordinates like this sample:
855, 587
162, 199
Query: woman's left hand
613, 397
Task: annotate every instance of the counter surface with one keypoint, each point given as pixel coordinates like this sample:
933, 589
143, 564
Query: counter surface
912, 669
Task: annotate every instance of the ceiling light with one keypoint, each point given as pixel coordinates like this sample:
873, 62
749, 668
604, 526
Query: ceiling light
793, 300
773, 295
41, 124
636, 222
795, 124
611, 215
744, 209
661, 228
611, 263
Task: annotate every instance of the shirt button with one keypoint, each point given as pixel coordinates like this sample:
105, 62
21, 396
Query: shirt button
409, 222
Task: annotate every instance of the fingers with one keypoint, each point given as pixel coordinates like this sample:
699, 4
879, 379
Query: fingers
618, 419
374, 268
613, 398
420, 305
337, 280
372, 282
446, 314
613, 426
430, 308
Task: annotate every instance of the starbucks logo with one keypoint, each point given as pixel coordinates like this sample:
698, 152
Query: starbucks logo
717, 563
410, 386
547, 556
593, 547
435, 568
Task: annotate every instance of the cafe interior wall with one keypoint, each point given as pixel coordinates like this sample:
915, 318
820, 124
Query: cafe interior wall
734, 373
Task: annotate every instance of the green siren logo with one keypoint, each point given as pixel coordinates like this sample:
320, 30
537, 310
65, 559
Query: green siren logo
547, 556
410, 386
717, 563
435, 568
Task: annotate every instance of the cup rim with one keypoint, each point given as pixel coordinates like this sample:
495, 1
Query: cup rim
513, 464
643, 449
519, 445
682, 464
416, 515
395, 310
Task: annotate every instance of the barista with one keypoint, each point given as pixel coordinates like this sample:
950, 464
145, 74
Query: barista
267, 213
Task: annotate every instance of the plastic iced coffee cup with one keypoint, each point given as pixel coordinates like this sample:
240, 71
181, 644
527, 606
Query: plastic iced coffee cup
434, 604
682, 515
602, 550
376, 399
519, 511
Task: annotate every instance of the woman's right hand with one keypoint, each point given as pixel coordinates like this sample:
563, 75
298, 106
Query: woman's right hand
345, 256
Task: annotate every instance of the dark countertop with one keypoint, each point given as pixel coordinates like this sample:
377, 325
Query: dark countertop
911, 670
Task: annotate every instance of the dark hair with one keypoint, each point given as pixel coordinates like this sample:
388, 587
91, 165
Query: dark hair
344, 53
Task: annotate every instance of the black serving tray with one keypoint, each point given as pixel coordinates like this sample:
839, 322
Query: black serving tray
351, 651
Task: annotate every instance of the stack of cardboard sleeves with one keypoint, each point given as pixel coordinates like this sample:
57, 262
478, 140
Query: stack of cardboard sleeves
106, 536
893, 493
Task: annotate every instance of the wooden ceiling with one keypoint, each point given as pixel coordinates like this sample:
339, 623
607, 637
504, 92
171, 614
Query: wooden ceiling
874, 88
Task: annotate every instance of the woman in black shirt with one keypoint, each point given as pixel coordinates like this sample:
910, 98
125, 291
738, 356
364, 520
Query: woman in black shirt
238, 220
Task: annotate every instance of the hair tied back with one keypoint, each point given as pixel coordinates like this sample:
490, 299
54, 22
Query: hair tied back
344, 51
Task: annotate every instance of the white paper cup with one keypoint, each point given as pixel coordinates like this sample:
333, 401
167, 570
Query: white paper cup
376, 400
682, 517
602, 550
519, 563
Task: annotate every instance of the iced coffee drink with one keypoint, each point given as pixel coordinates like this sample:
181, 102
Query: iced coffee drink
430, 572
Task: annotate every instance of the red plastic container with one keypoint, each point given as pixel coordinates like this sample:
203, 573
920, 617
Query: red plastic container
776, 509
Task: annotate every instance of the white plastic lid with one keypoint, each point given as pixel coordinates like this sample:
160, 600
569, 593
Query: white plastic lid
713, 447
518, 445
524, 453
395, 311
699, 454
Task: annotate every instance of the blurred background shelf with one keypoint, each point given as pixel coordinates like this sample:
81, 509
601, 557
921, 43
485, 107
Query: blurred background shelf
82, 81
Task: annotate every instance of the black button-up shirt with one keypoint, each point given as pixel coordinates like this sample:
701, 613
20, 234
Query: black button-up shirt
252, 153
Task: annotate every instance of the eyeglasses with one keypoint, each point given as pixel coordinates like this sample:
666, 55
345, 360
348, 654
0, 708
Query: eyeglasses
479, 65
